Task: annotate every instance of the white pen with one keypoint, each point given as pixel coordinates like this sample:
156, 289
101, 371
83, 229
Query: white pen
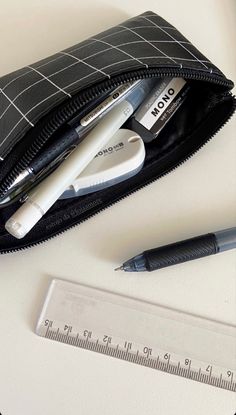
49, 190
71, 135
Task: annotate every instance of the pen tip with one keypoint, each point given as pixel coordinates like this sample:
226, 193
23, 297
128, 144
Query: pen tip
119, 268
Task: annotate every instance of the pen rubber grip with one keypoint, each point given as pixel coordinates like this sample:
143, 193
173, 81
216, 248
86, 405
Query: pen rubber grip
64, 140
179, 252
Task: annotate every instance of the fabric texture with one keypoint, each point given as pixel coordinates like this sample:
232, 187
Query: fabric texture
145, 41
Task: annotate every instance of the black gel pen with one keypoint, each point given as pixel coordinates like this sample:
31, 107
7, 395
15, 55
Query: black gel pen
67, 139
178, 252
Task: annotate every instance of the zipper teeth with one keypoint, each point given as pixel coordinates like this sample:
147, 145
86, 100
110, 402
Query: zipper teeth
150, 181
74, 105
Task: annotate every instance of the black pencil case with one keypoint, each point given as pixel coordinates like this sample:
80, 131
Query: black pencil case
37, 100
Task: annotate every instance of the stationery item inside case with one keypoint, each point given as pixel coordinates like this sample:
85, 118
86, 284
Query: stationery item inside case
207, 107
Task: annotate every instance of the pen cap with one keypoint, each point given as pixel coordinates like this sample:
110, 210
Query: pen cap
24, 219
226, 239
140, 91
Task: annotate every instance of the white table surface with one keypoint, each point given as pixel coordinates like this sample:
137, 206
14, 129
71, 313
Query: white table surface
43, 377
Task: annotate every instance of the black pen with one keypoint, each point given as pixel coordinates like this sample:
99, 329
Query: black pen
66, 140
178, 252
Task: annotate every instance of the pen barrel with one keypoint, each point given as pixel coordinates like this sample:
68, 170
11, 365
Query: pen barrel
50, 189
179, 252
62, 142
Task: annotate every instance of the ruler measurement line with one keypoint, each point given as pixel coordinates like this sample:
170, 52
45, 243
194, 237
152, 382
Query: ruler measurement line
131, 357
57, 332
161, 365
75, 339
195, 374
153, 363
192, 374
180, 372
189, 366
220, 380
71, 339
201, 377
94, 345
212, 380
183, 372
168, 363
138, 345
210, 373
216, 380
46, 334
174, 368
98, 348
59, 337
140, 359
51, 334
136, 358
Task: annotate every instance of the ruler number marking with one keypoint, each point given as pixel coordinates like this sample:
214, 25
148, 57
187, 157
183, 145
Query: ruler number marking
145, 357
147, 351
107, 339
87, 334
128, 345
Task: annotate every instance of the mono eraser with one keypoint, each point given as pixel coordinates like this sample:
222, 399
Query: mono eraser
159, 106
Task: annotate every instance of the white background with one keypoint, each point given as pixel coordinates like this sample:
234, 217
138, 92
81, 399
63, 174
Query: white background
43, 377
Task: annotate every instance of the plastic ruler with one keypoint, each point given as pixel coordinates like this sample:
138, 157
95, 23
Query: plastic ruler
140, 332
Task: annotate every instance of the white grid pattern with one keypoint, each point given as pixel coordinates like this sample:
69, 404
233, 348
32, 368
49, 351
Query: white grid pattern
49, 80
114, 33
73, 83
147, 41
85, 63
120, 50
18, 109
177, 41
63, 69
83, 46
135, 62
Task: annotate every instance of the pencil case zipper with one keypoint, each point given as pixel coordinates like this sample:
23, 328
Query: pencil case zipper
64, 114
30, 245
62, 89
70, 109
